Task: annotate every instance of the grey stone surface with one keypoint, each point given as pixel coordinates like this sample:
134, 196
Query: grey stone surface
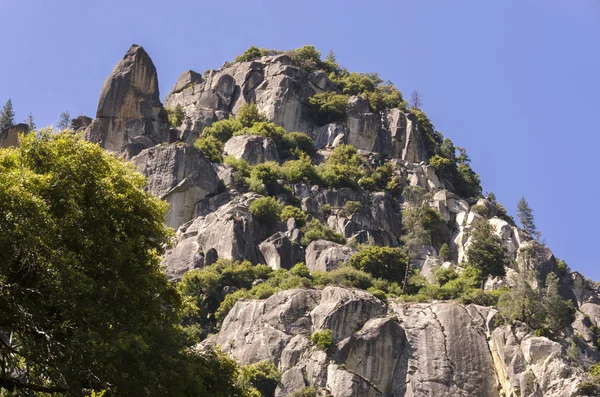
180, 175
130, 116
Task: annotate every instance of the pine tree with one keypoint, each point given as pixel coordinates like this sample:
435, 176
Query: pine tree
63, 121
30, 123
7, 116
526, 216
330, 57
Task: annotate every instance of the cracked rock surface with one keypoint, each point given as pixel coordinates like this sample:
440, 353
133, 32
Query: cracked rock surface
398, 349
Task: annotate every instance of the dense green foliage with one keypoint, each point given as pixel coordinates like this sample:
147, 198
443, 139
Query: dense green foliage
486, 251
546, 312
422, 224
315, 230
329, 106
82, 292
343, 167
267, 210
175, 116
465, 287
381, 262
248, 114
262, 376
253, 53
211, 147
7, 115
290, 211
323, 339
223, 130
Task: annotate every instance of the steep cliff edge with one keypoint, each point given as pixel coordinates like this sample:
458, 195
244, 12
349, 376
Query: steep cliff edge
351, 166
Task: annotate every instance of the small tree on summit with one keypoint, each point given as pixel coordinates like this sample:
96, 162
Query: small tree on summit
63, 121
7, 116
416, 100
30, 123
526, 216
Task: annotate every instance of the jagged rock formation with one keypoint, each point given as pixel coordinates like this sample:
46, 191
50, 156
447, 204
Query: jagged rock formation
439, 349
130, 117
9, 137
379, 348
281, 91
252, 149
180, 175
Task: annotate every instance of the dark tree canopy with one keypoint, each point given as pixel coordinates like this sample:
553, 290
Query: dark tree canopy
7, 116
486, 251
525, 214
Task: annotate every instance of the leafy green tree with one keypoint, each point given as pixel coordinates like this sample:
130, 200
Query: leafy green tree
7, 116
381, 262
300, 170
250, 54
445, 253
64, 121
175, 116
525, 214
343, 167
561, 313
315, 230
248, 114
290, 211
306, 57
263, 376
330, 107
82, 293
522, 303
223, 130
211, 147
263, 178
267, 210
486, 251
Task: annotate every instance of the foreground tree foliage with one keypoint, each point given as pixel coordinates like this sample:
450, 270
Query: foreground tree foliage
84, 304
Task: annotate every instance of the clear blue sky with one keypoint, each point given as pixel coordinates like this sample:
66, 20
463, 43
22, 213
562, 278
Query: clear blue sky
514, 81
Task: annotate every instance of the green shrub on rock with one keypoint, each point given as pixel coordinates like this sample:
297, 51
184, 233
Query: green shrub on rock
315, 230
210, 147
382, 262
263, 376
223, 130
343, 167
322, 339
248, 114
329, 106
290, 211
175, 116
267, 210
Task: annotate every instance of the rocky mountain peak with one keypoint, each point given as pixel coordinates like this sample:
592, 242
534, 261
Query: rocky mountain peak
301, 176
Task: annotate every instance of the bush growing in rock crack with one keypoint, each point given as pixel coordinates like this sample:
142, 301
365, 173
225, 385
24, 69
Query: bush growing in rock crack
322, 339
175, 116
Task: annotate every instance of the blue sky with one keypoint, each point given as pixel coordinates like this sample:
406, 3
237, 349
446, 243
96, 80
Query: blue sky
514, 81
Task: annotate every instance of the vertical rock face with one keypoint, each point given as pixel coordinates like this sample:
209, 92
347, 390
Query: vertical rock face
9, 137
438, 349
180, 175
130, 116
